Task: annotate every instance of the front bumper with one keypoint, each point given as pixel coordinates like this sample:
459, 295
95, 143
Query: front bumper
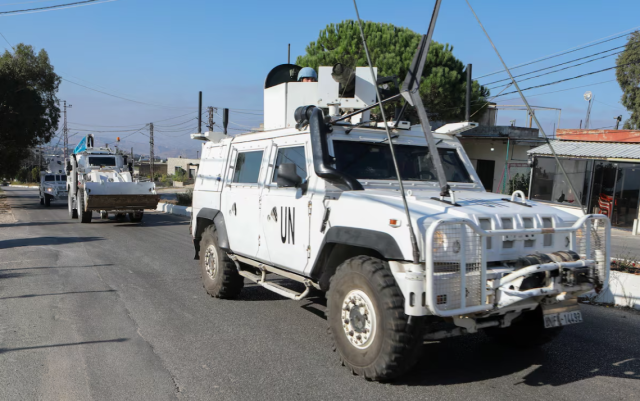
456, 281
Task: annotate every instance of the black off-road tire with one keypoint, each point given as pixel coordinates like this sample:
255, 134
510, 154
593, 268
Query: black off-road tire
85, 216
526, 331
136, 217
120, 216
42, 201
73, 213
221, 280
47, 200
397, 341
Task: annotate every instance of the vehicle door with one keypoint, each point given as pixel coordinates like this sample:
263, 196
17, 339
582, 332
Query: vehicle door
285, 211
240, 203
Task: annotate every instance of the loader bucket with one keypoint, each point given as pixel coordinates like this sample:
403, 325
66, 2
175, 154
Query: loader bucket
121, 195
122, 202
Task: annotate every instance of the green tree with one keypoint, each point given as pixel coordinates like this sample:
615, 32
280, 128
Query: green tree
628, 76
35, 174
29, 111
443, 82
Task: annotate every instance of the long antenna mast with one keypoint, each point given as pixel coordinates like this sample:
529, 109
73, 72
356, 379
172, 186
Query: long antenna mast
414, 242
564, 173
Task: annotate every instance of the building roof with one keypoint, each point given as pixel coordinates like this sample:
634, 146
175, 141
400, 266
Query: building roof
599, 135
592, 150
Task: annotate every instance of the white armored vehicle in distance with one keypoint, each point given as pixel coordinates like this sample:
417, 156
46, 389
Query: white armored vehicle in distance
100, 179
316, 198
53, 181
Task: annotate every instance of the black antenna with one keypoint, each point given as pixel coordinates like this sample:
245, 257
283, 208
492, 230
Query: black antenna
200, 112
414, 242
411, 93
225, 119
531, 113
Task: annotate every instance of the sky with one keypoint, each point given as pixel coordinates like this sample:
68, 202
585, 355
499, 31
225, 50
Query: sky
159, 53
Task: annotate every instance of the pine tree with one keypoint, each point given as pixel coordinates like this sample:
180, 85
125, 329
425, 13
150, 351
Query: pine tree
443, 84
628, 76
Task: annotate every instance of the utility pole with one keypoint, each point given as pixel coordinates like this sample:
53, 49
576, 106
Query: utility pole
289, 54
151, 155
467, 108
210, 118
225, 119
66, 131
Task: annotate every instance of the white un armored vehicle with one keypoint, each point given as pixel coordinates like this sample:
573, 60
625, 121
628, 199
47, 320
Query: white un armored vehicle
315, 198
53, 182
100, 179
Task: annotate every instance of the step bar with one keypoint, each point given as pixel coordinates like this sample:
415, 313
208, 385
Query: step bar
278, 289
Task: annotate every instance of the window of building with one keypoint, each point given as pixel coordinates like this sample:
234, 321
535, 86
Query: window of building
293, 155
549, 183
247, 169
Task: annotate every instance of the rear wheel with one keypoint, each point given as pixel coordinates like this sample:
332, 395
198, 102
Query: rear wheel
47, 200
526, 331
365, 312
73, 212
120, 216
136, 217
220, 276
85, 216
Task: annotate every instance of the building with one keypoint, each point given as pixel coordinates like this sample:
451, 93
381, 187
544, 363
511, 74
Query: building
189, 166
498, 153
603, 167
144, 168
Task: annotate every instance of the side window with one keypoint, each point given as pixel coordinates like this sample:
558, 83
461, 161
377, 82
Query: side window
247, 169
293, 155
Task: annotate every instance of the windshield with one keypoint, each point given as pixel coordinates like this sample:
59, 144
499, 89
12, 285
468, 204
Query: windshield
102, 161
61, 177
372, 161
49, 177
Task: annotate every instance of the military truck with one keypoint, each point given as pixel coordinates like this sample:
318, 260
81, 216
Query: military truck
53, 181
100, 179
389, 219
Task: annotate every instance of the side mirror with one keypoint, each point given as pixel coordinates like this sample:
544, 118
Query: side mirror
287, 176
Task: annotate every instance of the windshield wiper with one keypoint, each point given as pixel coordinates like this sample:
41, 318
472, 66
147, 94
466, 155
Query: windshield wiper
386, 139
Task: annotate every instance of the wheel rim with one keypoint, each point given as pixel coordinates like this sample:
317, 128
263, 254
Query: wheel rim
211, 261
358, 319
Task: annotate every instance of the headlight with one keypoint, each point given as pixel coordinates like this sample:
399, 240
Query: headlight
49, 190
441, 242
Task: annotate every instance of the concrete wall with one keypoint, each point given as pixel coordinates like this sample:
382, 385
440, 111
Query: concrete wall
159, 168
623, 290
480, 149
183, 163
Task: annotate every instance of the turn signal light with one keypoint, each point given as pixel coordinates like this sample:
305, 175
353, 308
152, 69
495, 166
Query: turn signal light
394, 223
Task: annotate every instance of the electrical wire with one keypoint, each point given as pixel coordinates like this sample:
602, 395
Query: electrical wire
56, 7
551, 72
566, 79
571, 50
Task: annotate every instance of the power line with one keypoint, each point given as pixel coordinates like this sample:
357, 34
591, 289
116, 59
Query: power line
51, 8
567, 62
615, 107
124, 98
565, 52
567, 79
562, 90
24, 2
548, 73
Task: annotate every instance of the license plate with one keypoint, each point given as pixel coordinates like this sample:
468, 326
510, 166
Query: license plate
562, 318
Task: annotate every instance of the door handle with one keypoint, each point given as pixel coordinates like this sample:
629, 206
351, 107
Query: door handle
233, 210
274, 214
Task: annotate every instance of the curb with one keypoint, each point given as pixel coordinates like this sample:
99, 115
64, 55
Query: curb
23, 186
174, 209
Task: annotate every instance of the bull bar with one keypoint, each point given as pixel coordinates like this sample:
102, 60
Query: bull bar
456, 265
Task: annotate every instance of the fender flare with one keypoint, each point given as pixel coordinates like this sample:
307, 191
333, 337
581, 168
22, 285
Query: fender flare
381, 242
205, 217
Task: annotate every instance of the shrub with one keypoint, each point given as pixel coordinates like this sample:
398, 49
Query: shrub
185, 198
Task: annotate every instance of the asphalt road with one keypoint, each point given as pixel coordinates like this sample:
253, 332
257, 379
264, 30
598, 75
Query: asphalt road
115, 311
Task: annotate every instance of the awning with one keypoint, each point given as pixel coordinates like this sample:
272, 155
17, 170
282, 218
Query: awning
592, 150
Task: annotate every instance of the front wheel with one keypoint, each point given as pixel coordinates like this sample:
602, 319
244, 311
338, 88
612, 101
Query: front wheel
220, 276
85, 216
526, 331
73, 212
365, 312
42, 201
47, 200
136, 217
